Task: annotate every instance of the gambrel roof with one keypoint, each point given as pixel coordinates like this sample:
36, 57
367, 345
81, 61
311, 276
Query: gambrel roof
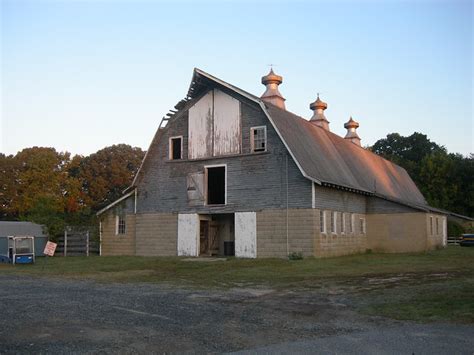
326, 158
321, 156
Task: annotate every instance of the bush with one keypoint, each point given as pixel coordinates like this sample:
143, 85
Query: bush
455, 229
295, 256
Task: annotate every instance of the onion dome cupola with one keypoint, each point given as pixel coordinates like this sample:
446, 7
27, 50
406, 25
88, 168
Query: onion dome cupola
318, 118
271, 94
352, 135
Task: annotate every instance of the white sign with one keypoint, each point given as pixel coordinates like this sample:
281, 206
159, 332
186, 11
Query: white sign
50, 248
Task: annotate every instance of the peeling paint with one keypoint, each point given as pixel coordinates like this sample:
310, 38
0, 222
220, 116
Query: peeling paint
227, 133
201, 127
214, 126
188, 234
246, 234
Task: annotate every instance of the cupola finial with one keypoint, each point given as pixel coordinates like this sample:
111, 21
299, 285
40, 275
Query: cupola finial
318, 118
352, 135
271, 94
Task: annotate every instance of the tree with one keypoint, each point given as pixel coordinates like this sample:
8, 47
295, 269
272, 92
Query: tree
105, 174
407, 152
444, 179
40, 175
8, 186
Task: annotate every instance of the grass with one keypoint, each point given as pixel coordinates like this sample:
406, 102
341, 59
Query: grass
431, 286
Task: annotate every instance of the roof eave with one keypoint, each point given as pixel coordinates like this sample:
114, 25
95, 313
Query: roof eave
124, 197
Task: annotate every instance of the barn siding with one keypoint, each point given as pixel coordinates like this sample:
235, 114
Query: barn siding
378, 205
338, 200
254, 181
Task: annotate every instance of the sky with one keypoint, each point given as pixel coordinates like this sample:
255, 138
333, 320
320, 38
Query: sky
82, 75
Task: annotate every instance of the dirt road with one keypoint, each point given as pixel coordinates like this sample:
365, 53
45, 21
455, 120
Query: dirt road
64, 316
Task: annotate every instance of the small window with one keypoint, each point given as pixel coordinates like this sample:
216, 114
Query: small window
333, 221
120, 226
176, 148
216, 185
437, 225
351, 223
258, 137
431, 225
322, 221
362, 225
343, 222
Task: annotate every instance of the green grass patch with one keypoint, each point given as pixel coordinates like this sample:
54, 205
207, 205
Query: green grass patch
451, 300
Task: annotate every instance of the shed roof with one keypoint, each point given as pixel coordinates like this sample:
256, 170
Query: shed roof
8, 228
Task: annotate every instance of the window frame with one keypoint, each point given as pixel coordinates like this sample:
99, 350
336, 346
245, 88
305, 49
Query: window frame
431, 225
322, 222
343, 223
351, 223
206, 167
120, 228
333, 222
252, 141
362, 225
170, 147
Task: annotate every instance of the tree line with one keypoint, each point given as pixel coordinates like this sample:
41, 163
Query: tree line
445, 179
52, 188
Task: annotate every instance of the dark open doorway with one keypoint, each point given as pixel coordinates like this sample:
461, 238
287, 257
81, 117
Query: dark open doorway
216, 188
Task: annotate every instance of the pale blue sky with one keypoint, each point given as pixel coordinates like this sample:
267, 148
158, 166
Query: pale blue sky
82, 75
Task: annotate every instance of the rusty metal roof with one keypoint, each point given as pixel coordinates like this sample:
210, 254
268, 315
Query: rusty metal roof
331, 159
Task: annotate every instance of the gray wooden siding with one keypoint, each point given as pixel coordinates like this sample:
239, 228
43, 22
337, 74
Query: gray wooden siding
378, 205
327, 198
254, 181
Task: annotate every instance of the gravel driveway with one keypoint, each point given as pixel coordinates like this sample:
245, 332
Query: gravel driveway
68, 316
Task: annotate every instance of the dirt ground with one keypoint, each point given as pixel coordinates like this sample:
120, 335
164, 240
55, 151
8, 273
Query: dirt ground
67, 316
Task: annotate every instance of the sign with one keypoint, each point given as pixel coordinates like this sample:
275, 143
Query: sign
50, 248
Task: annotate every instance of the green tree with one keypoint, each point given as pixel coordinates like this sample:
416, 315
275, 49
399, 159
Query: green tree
446, 180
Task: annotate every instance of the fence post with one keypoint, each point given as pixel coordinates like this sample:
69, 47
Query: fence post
87, 243
65, 242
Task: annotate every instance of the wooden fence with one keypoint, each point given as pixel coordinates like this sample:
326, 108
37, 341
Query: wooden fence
77, 242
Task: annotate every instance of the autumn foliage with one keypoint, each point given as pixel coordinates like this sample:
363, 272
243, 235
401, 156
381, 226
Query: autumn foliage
51, 188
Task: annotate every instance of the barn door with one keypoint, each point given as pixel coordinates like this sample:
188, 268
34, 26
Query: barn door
204, 237
214, 238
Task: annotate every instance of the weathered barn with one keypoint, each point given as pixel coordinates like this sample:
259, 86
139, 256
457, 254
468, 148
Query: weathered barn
232, 171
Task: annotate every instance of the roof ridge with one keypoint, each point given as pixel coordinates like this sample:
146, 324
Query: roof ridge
336, 135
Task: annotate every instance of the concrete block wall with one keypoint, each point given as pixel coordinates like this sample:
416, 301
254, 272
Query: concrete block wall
342, 241
272, 235
397, 232
118, 244
157, 234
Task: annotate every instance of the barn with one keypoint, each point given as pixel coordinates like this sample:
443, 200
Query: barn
230, 173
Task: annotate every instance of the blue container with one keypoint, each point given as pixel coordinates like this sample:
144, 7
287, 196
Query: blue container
24, 259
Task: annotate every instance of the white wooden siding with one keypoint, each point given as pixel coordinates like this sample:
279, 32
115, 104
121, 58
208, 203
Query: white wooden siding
214, 126
227, 136
246, 234
201, 127
188, 234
